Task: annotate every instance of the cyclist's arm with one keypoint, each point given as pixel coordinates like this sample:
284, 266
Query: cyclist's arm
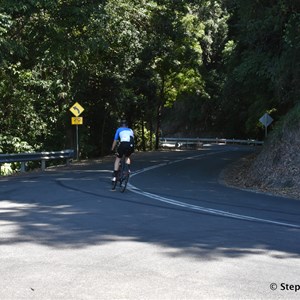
114, 144
116, 138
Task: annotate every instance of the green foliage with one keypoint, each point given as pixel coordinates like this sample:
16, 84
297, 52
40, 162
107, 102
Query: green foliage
6, 169
289, 122
217, 65
139, 132
13, 144
5, 24
263, 70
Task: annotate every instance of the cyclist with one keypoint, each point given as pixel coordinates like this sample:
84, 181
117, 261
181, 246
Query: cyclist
125, 135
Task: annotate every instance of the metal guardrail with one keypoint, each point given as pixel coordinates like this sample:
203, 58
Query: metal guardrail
198, 142
36, 156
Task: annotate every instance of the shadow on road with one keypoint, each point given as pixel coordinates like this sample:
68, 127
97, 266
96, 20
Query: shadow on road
76, 209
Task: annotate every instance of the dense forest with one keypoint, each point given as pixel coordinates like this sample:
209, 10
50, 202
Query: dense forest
170, 67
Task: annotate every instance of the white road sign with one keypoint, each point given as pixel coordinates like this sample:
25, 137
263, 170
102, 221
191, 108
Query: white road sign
266, 120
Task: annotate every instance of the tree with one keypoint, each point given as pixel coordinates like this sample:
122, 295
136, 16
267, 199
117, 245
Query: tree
174, 54
260, 72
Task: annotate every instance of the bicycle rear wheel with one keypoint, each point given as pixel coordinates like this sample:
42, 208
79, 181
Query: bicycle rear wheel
124, 182
124, 176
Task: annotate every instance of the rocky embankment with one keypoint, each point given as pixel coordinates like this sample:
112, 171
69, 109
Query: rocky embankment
275, 169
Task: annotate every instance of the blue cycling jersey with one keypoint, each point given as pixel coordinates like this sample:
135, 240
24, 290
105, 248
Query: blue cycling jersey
124, 134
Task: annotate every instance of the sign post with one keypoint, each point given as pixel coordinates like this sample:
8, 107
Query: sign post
266, 120
76, 110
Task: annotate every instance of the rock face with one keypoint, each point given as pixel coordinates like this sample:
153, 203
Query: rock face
276, 168
278, 164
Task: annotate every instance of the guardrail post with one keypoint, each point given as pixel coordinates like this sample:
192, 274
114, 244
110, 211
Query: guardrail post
43, 164
23, 167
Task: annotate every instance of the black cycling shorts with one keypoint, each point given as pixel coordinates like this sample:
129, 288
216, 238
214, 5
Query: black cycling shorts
125, 148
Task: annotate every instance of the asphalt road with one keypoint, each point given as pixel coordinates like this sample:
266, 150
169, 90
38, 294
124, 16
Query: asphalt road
176, 233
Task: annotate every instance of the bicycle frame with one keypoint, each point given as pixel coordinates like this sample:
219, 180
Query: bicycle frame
122, 175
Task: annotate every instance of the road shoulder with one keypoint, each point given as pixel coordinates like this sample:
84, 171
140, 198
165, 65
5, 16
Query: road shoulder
236, 175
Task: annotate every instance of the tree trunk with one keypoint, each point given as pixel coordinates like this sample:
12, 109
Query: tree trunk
158, 124
143, 135
159, 111
151, 134
102, 134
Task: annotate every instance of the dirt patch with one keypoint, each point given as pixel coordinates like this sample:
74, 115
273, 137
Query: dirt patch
253, 172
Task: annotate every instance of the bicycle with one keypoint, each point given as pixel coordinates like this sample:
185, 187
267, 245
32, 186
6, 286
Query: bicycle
122, 176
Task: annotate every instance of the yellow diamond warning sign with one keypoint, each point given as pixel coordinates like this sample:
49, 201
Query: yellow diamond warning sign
76, 109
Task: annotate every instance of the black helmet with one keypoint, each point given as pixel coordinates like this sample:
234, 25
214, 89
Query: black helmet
123, 123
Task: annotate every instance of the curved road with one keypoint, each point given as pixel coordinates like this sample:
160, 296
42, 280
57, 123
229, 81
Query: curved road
176, 233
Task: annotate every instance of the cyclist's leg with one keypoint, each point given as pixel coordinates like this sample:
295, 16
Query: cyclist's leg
117, 163
116, 169
128, 153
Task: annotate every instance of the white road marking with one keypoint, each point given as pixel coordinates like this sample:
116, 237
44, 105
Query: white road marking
195, 207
